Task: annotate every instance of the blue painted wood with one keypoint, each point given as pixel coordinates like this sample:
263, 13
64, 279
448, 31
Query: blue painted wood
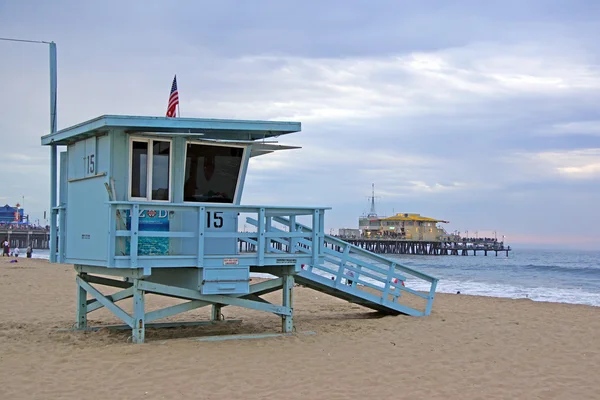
352, 294
116, 310
194, 250
201, 128
261, 237
202, 224
287, 321
174, 310
139, 313
369, 255
243, 172
53, 202
343, 264
315, 238
431, 297
124, 272
257, 289
178, 164
156, 325
234, 280
82, 307
94, 305
135, 227
215, 312
62, 202
215, 298
110, 242
100, 280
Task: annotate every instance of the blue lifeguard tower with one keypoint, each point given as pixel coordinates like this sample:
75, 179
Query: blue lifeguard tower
153, 205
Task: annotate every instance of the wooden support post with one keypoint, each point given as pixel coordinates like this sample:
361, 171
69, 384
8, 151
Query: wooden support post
139, 328
215, 313
287, 321
81, 304
431, 296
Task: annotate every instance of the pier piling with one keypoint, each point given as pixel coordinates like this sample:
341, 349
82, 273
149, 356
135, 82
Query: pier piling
421, 247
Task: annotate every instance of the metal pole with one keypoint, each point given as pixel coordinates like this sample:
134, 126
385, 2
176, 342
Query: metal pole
53, 153
52, 87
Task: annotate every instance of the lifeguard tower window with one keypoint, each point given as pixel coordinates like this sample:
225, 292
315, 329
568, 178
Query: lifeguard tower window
150, 169
211, 173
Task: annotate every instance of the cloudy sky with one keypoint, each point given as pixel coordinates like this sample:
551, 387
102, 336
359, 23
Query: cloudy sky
485, 114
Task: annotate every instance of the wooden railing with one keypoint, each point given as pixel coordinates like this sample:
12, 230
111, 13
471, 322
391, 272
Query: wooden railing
196, 235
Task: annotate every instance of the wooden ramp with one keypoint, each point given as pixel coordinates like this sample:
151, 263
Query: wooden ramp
359, 276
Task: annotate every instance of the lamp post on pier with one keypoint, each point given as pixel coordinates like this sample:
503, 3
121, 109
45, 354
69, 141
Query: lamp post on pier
53, 148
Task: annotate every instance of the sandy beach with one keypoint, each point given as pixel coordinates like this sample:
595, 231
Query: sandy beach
469, 348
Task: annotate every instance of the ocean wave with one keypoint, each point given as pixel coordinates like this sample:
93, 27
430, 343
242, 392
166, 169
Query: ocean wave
584, 270
535, 293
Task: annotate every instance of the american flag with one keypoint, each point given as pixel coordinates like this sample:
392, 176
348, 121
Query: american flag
173, 99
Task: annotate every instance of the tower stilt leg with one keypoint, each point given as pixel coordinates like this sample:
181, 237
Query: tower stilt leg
81, 305
215, 313
139, 314
287, 321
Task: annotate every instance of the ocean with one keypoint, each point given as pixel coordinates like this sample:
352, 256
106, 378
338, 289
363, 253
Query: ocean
541, 275
565, 276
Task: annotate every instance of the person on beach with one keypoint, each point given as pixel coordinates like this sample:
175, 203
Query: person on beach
6, 248
29, 251
16, 252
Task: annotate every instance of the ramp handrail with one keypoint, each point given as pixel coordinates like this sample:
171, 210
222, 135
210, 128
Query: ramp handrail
345, 267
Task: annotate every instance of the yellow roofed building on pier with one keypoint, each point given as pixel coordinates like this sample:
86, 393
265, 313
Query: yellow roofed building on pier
403, 226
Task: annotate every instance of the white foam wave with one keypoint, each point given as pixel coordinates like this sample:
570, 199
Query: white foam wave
540, 293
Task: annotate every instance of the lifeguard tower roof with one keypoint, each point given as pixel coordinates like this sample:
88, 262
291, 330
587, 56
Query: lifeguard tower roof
200, 128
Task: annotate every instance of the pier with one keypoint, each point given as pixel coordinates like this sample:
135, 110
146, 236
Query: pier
430, 248
38, 238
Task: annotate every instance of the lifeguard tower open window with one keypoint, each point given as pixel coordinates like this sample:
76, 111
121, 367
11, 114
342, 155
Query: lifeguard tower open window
150, 169
212, 172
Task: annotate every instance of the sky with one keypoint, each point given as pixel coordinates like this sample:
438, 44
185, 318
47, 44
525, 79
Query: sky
484, 114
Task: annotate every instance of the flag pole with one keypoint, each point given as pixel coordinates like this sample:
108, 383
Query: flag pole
178, 109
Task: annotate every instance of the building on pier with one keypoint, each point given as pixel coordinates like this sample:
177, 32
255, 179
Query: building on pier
413, 227
13, 215
407, 226
410, 233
